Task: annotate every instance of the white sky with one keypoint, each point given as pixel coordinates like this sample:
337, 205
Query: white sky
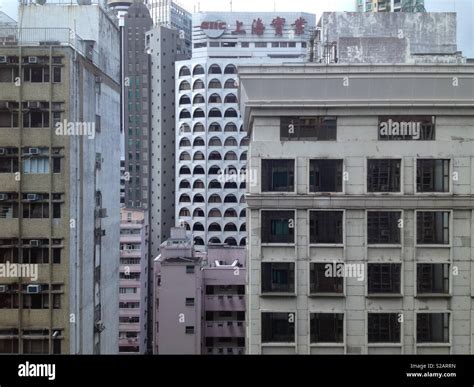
312, 6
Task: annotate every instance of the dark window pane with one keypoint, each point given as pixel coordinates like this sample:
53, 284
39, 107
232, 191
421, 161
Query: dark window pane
278, 327
384, 328
432, 327
326, 227
278, 277
278, 226
432, 228
327, 328
325, 176
432, 175
383, 175
432, 278
384, 278
308, 128
326, 278
278, 175
383, 227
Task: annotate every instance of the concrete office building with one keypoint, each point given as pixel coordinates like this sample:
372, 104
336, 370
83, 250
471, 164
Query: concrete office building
136, 105
200, 298
133, 312
361, 224
390, 5
172, 14
412, 38
211, 141
464, 10
59, 179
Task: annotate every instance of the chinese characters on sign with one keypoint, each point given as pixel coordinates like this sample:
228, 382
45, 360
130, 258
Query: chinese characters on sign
258, 27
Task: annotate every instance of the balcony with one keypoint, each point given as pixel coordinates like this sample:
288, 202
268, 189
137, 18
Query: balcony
224, 328
224, 302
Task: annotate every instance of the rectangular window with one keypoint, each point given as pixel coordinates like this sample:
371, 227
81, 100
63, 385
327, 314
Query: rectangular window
278, 226
323, 128
189, 269
56, 165
57, 210
56, 74
383, 328
189, 301
326, 278
278, 327
278, 175
261, 44
432, 328
8, 164
432, 175
326, 227
383, 175
278, 277
432, 278
36, 165
190, 330
432, 228
383, 227
384, 278
325, 175
35, 210
327, 327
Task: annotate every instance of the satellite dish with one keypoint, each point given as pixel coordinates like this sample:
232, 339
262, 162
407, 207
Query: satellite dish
41, 2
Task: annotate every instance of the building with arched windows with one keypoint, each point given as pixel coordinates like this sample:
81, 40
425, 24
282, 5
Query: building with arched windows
211, 141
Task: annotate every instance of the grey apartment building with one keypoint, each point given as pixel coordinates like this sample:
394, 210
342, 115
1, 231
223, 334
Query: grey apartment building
361, 225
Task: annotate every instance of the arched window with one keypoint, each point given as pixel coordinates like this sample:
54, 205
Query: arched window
184, 114
215, 213
198, 85
215, 240
199, 142
243, 185
230, 69
184, 100
199, 170
184, 171
186, 226
184, 71
198, 213
231, 141
199, 113
231, 98
215, 156
214, 170
198, 184
243, 242
216, 113
230, 156
199, 156
230, 84
184, 185
185, 156
198, 199
185, 128
243, 228
215, 184
215, 69
242, 128
230, 227
198, 227
242, 199
230, 242
198, 241
231, 113
215, 127
184, 212
184, 86
244, 141
215, 84
243, 214
198, 98
198, 70
230, 199
214, 227
243, 156
185, 199
199, 128
215, 141
230, 127
230, 213
215, 98
184, 142
230, 185
215, 199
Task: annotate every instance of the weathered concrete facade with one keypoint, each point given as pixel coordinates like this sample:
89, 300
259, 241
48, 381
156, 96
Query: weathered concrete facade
358, 96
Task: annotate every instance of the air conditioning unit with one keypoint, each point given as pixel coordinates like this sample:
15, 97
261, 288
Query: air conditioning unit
34, 243
102, 213
99, 326
34, 105
3, 197
32, 59
32, 197
3, 151
4, 288
3, 59
33, 289
34, 151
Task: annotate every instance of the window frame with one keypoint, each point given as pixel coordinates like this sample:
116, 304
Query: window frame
435, 245
271, 161
401, 177
271, 243
398, 343
381, 244
399, 294
325, 244
343, 170
264, 342
434, 343
450, 176
292, 287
